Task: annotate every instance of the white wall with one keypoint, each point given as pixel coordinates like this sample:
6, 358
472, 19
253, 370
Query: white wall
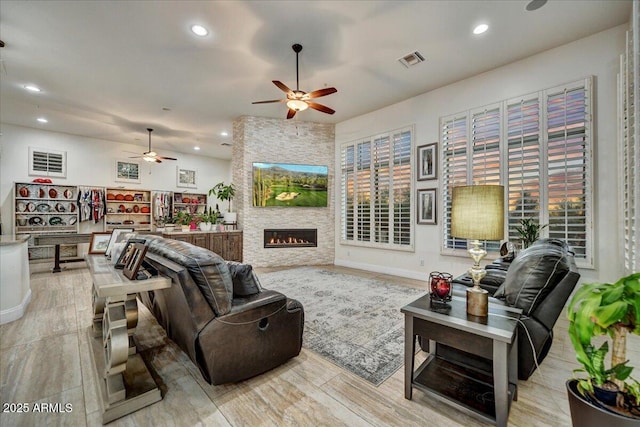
92, 162
596, 55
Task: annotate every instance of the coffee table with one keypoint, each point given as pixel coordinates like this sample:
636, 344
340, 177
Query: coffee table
485, 395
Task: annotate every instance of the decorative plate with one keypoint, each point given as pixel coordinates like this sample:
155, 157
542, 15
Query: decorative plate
36, 220
55, 220
60, 207
31, 207
68, 194
21, 207
73, 220
43, 207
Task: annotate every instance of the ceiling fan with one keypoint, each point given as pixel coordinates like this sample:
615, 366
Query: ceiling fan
152, 156
298, 100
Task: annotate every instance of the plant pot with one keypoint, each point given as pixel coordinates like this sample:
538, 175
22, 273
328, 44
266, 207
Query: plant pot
587, 414
605, 395
169, 227
205, 226
185, 227
230, 217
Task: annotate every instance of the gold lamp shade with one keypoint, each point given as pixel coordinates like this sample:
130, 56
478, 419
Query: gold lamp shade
477, 213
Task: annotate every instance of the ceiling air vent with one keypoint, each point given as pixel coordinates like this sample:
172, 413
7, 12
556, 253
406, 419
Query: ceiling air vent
225, 144
44, 162
411, 59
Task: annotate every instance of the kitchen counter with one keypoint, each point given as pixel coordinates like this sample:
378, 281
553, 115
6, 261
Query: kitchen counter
15, 282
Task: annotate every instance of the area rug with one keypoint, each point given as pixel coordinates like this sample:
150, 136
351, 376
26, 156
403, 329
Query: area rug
352, 321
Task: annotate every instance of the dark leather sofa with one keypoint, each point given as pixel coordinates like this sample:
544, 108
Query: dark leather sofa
217, 312
539, 280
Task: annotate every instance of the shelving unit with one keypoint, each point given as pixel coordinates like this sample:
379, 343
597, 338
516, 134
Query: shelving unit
189, 202
130, 208
41, 208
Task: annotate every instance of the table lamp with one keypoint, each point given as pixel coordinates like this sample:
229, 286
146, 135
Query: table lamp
477, 213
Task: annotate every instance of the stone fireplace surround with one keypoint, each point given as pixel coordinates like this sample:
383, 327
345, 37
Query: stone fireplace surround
267, 140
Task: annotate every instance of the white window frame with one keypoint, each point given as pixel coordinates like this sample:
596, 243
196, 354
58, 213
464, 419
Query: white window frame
371, 243
457, 250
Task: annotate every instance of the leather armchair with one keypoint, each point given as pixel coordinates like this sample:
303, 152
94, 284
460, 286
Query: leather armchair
539, 281
218, 313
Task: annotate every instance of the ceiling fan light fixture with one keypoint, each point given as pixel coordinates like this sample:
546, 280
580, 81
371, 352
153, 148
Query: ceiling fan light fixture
199, 30
149, 159
297, 105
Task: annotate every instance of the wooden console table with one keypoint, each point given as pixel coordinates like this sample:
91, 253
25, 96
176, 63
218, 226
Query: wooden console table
125, 382
493, 337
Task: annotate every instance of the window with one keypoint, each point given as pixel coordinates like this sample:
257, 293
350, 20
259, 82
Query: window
43, 162
539, 147
376, 188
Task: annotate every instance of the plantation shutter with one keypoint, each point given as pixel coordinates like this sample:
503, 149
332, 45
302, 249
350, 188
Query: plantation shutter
381, 186
43, 162
568, 177
523, 154
363, 191
376, 191
454, 157
629, 135
402, 188
348, 185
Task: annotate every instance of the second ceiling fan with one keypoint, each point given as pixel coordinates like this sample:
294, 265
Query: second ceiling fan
298, 100
152, 156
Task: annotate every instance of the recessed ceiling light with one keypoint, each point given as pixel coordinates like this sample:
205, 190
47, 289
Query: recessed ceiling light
480, 29
32, 88
196, 148
42, 120
224, 133
199, 30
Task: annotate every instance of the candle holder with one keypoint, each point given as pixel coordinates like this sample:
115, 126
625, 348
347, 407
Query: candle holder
440, 287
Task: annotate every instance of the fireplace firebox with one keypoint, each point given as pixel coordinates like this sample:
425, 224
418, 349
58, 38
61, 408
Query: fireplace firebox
291, 238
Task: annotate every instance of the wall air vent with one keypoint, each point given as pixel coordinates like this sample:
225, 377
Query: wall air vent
43, 162
411, 59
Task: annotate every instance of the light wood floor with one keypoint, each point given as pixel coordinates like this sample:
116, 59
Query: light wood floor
44, 358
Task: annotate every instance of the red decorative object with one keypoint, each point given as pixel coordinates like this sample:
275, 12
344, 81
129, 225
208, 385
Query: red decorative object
440, 286
42, 180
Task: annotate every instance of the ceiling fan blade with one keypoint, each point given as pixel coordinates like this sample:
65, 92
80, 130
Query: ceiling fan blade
320, 107
282, 87
291, 113
157, 160
321, 92
272, 100
165, 158
135, 157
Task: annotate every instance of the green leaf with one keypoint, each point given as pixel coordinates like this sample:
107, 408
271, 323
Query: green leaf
607, 315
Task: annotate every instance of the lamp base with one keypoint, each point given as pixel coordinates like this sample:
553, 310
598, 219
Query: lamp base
477, 302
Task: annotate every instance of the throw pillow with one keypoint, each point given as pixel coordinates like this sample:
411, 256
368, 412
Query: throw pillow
245, 281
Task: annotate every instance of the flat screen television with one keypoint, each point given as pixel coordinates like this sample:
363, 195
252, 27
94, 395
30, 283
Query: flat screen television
289, 185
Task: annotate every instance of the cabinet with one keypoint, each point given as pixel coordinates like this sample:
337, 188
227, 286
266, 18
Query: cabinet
127, 207
41, 208
189, 202
227, 244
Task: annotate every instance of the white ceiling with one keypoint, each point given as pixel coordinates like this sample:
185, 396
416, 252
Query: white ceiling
108, 69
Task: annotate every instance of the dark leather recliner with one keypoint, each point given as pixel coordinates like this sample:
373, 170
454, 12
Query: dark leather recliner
217, 312
539, 281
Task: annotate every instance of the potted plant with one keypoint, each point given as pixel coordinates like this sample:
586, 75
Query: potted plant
613, 311
207, 219
529, 231
185, 219
225, 192
169, 223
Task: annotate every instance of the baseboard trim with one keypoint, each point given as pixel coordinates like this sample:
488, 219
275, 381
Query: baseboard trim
383, 269
14, 313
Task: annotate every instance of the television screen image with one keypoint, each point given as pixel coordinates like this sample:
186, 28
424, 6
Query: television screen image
278, 184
